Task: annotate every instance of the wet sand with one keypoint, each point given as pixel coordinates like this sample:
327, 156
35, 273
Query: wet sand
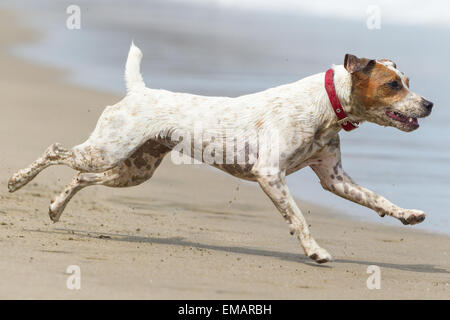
189, 232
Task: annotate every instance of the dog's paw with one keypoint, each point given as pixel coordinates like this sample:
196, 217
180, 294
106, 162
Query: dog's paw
320, 255
55, 210
412, 217
12, 184
17, 181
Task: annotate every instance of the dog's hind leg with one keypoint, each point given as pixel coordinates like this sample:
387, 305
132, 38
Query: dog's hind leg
120, 130
138, 168
54, 154
105, 149
83, 158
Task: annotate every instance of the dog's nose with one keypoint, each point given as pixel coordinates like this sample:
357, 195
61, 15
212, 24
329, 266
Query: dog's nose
427, 104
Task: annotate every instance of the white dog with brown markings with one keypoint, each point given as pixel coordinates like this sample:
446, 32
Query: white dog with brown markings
132, 137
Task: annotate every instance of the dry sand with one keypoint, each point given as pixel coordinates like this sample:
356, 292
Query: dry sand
190, 232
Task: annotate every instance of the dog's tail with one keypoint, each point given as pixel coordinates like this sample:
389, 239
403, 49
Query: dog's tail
133, 78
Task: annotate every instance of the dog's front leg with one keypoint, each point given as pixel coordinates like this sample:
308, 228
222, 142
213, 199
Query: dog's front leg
334, 179
274, 185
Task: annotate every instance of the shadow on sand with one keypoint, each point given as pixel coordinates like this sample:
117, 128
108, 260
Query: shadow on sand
294, 257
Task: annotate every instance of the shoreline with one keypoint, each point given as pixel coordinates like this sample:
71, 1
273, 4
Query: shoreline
187, 233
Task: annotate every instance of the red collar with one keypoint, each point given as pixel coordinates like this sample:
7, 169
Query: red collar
343, 120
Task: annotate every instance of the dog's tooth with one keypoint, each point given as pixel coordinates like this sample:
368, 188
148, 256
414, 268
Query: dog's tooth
410, 119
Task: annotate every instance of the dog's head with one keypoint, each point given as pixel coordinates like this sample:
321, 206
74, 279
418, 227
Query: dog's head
381, 94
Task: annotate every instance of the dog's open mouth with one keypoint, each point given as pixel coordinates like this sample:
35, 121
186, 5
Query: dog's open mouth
409, 121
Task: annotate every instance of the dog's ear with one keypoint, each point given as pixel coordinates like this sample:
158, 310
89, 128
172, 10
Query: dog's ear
354, 64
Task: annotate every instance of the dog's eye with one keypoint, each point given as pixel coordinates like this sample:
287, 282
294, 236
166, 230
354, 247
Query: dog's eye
395, 85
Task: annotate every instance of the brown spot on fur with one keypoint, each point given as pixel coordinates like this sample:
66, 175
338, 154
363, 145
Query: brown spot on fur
139, 162
152, 148
259, 123
156, 149
370, 86
136, 178
335, 168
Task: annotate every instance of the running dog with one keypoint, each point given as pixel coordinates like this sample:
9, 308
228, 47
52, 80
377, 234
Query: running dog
132, 137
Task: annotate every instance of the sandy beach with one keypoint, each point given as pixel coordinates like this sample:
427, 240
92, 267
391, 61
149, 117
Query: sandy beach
188, 233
